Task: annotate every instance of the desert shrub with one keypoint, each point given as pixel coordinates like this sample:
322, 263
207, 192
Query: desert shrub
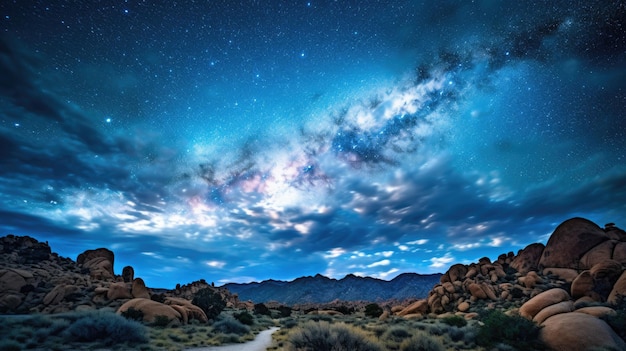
515, 331
344, 309
456, 334
10, 345
161, 321
397, 333
230, 325
288, 323
422, 342
106, 327
244, 317
285, 311
133, 314
373, 310
210, 301
260, 308
455, 321
323, 336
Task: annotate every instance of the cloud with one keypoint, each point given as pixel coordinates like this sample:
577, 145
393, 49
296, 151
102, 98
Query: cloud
379, 263
441, 262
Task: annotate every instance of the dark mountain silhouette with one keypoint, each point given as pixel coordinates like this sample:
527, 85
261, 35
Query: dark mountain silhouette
321, 289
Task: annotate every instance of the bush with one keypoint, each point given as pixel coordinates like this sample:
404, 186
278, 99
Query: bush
322, 336
244, 317
373, 310
397, 333
230, 325
133, 314
108, 328
285, 311
422, 342
455, 321
161, 321
210, 301
515, 331
260, 308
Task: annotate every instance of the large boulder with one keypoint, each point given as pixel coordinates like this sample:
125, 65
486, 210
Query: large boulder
151, 309
11, 281
419, 306
128, 274
118, 291
187, 309
139, 289
528, 258
579, 332
570, 241
545, 299
99, 262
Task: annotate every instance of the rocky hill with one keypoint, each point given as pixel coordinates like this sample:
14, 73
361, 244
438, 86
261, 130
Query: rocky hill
566, 286
321, 289
33, 279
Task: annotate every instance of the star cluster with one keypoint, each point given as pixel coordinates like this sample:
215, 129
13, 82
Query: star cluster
239, 141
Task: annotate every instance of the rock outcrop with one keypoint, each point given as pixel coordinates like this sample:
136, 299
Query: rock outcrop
35, 280
99, 262
552, 285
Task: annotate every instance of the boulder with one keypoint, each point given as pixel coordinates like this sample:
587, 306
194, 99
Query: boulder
59, 292
10, 301
118, 291
530, 280
139, 289
419, 306
598, 254
597, 311
128, 274
569, 242
11, 281
476, 291
561, 307
457, 272
543, 300
528, 258
567, 274
463, 306
151, 309
583, 286
604, 275
191, 310
99, 262
579, 332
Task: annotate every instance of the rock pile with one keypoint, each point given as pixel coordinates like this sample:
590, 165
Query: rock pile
33, 279
551, 284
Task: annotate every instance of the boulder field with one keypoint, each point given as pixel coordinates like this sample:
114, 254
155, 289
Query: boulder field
565, 286
33, 279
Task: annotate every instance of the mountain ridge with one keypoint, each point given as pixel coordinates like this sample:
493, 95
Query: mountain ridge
322, 289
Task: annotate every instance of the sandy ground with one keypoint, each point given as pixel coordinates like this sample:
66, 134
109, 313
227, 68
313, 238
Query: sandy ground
260, 343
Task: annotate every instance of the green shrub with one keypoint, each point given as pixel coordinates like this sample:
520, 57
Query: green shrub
515, 331
285, 311
230, 325
106, 327
373, 310
133, 314
323, 336
397, 333
260, 308
210, 301
161, 321
244, 317
422, 342
455, 321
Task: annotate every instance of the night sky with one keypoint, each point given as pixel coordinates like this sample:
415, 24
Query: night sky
246, 140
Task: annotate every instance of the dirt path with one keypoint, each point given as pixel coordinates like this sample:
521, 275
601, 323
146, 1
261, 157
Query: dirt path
260, 343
